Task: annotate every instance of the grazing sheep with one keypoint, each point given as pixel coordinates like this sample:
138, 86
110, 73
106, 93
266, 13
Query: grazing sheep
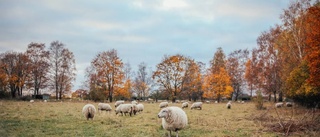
242, 102
118, 103
173, 119
163, 104
208, 102
104, 106
124, 109
289, 104
31, 101
88, 111
185, 105
229, 105
196, 105
278, 105
140, 107
134, 109
134, 102
45, 101
215, 102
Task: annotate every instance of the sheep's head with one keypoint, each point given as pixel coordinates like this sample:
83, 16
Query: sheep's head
164, 113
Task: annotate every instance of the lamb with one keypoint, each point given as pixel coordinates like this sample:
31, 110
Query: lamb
173, 119
289, 104
140, 107
118, 103
124, 109
278, 105
185, 105
104, 106
229, 105
163, 104
196, 105
88, 111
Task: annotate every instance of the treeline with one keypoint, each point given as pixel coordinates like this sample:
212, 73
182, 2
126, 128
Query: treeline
37, 69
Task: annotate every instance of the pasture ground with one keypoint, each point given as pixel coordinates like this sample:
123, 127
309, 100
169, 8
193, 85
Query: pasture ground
18, 118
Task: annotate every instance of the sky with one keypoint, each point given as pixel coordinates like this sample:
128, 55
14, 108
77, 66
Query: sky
140, 30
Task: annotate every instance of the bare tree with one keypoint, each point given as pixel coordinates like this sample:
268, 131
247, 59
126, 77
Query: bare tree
62, 68
142, 81
39, 65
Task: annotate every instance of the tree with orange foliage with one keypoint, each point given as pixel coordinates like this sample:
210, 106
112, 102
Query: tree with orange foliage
217, 82
251, 72
107, 69
218, 85
170, 74
16, 69
192, 88
313, 44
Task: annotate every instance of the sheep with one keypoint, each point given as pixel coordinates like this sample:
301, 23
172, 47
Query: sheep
140, 107
229, 105
215, 102
45, 101
278, 105
208, 102
242, 102
173, 119
104, 106
31, 101
134, 109
289, 104
124, 109
134, 102
196, 105
163, 104
185, 105
89, 111
118, 103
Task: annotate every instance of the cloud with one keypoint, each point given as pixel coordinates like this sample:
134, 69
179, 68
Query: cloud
141, 30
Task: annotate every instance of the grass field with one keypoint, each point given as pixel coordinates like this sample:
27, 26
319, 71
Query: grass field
19, 118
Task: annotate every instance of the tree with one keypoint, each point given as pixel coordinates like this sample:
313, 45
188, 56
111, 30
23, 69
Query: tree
62, 68
269, 63
252, 72
39, 65
193, 80
217, 81
312, 27
142, 81
170, 75
236, 69
218, 85
108, 71
125, 91
16, 68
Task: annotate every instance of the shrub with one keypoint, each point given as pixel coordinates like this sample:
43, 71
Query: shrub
259, 101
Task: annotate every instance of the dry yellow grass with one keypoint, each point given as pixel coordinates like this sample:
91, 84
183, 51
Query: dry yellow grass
66, 119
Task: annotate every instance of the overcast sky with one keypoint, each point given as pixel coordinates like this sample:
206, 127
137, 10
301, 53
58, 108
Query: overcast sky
140, 30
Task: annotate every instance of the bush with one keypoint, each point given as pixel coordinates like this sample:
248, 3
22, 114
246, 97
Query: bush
259, 101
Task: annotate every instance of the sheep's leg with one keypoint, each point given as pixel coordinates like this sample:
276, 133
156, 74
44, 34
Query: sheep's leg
169, 133
177, 134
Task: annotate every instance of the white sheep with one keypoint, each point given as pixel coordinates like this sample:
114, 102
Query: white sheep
196, 105
104, 106
140, 107
228, 105
134, 109
89, 111
118, 103
185, 105
134, 102
31, 101
124, 109
278, 105
163, 104
45, 101
215, 102
289, 104
173, 119
242, 102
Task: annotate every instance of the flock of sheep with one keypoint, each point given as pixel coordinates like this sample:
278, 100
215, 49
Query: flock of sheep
173, 118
